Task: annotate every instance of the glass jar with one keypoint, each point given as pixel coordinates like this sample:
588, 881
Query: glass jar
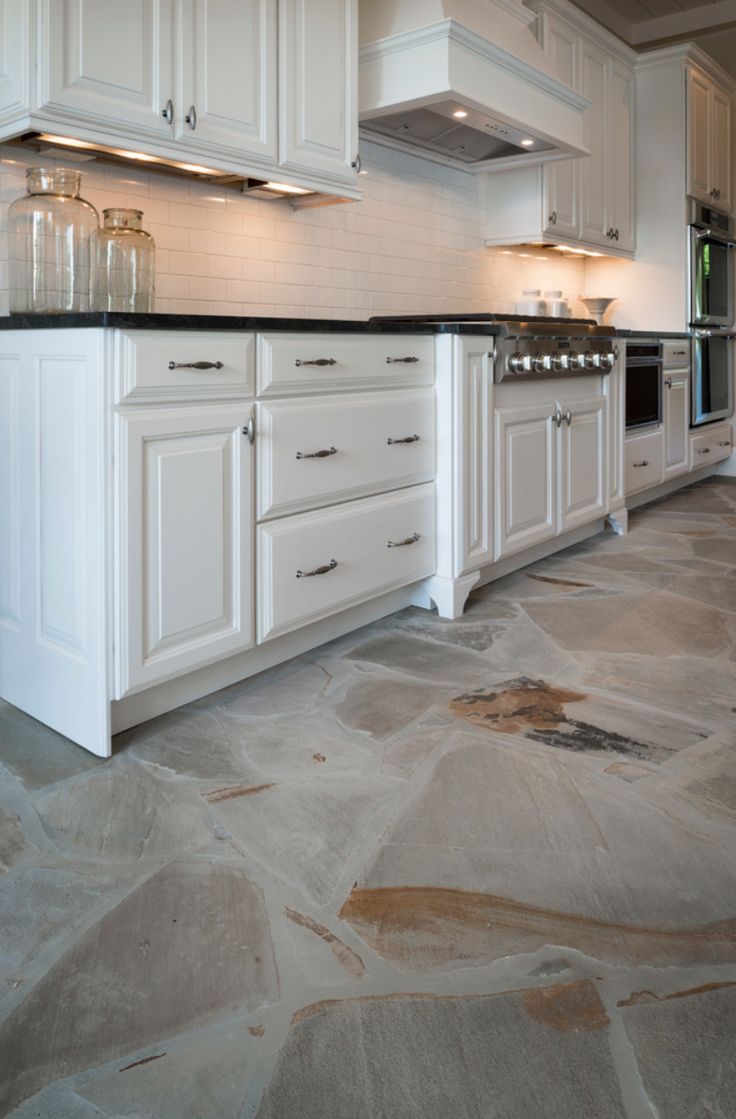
123, 263
531, 304
49, 242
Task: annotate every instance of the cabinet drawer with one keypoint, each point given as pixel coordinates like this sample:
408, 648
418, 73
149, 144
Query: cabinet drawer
676, 354
643, 461
329, 449
306, 363
349, 545
710, 446
156, 365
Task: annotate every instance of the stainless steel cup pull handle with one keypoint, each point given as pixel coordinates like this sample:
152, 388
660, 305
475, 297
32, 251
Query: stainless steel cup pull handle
406, 439
324, 570
317, 361
401, 360
644, 462
196, 365
403, 543
317, 454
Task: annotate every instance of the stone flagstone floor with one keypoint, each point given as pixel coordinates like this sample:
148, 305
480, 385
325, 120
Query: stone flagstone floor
482, 869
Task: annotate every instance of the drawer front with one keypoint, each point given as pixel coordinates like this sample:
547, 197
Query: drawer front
676, 354
643, 461
323, 363
156, 366
710, 446
328, 449
349, 545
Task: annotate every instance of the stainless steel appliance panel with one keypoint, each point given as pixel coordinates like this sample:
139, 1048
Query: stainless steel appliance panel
711, 267
712, 376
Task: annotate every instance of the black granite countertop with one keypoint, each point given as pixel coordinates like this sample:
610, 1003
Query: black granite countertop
652, 333
130, 321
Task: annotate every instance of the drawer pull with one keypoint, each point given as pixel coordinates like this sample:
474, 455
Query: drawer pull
317, 361
704, 450
406, 439
668, 382
196, 365
401, 360
328, 567
679, 353
725, 443
644, 462
403, 543
318, 454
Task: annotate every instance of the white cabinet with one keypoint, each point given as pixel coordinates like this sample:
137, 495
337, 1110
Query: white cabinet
318, 84
711, 445
551, 468
643, 460
593, 183
619, 157
186, 539
676, 420
561, 179
709, 140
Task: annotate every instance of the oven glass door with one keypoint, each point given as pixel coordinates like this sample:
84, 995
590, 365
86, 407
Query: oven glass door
712, 265
643, 393
712, 392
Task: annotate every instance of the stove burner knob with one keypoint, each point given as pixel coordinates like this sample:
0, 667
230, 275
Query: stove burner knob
592, 361
519, 363
577, 360
608, 361
542, 363
560, 362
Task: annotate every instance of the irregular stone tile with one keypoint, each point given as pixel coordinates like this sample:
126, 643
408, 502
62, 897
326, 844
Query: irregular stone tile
404, 753
289, 748
13, 843
189, 946
425, 659
429, 1057
629, 771
305, 831
287, 689
381, 707
709, 784
35, 753
716, 591
120, 812
657, 624
349, 961
536, 582
193, 754
471, 631
525, 643
722, 549
684, 1046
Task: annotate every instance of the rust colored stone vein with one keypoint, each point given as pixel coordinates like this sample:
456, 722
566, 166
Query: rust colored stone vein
557, 582
257, 1031
567, 1007
235, 791
143, 1061
345, 956
520, 704
425, 926
637, 997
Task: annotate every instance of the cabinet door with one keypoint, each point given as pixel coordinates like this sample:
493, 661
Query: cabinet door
525, 440
583, 462
698, 136
619, 156
185, 564
15, 33
109, 63
318, 107
594, 219
721, 162
228, 76
561, 179
676, 423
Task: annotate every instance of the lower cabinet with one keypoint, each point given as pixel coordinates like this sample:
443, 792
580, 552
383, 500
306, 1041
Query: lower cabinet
551, 470
185, 517
676, 418
711, 444
643, 460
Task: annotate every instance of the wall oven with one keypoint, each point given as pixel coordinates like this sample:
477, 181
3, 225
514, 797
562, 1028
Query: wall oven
643, 383
711, 267
712, 376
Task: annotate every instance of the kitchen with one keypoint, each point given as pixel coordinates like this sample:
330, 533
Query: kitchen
415, 243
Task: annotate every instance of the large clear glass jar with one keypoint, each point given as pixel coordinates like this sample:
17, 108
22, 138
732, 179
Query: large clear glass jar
49, 243
123, 263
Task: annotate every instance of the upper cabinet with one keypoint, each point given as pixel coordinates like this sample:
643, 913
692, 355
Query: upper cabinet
241, 86
709, 140
586, 202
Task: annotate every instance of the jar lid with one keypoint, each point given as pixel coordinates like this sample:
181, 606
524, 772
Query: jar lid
532, 291
553, 294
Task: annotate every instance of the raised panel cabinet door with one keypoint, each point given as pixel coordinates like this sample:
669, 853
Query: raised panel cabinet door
526, 459
109, 63
318, 106
583, 474
227, 78
473, 531
676, 423
594, 223
699, 93
561, 179
15, 33
619, 156
186, 531
721, 149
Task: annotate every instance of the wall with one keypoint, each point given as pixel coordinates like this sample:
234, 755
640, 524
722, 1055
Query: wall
415, 243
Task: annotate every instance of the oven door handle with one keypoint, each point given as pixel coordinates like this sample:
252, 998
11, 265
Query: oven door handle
728, 334
714, 235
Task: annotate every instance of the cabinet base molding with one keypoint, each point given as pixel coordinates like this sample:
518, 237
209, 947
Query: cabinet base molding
448, 595
617, 521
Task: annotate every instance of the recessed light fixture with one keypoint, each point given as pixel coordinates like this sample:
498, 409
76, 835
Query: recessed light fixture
459, 113
527, 143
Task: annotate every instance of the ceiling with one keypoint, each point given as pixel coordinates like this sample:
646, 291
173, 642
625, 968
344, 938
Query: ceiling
644, 23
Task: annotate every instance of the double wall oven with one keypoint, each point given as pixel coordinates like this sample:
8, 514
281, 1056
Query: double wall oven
712, 262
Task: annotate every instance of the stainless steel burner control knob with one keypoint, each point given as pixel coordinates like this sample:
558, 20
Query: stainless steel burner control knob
519, 363
560, 362
608, 361
592, 361
542, 363
577, 360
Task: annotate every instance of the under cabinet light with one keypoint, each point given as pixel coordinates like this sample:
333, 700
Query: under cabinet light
262, 188
126, 154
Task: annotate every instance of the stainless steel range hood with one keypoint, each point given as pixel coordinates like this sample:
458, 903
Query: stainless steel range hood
464, 82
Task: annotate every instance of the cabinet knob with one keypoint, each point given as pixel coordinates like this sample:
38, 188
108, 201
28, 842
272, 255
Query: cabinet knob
317, 454
404, 543
556, 417
668, 382
552, 219
324, 570
250, 431
191, 117
168, 111
357, 163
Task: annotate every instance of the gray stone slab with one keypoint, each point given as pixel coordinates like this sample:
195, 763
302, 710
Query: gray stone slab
381, 707
520, 1055
13, 843
189, 947
35, 753
684, 1046
427, 660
